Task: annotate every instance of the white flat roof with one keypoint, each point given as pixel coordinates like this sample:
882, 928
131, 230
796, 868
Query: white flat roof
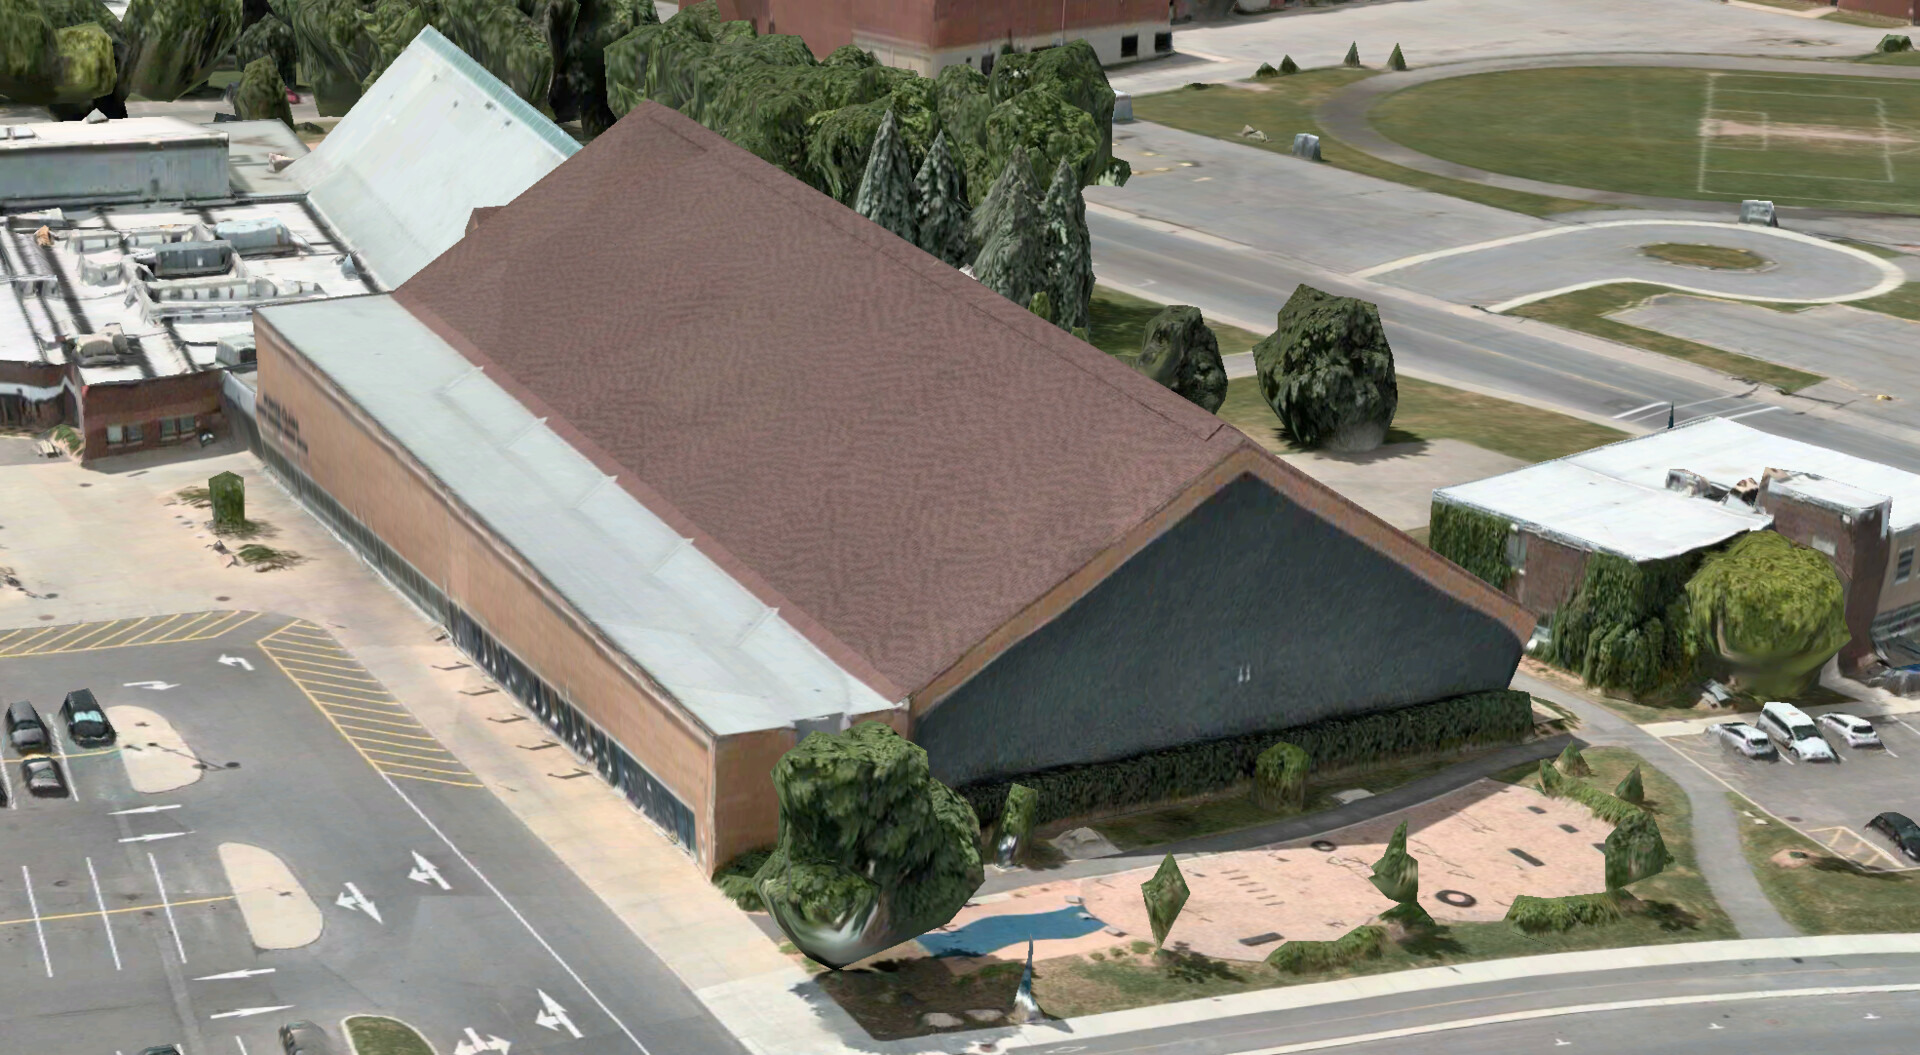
733, 662
1615, 498
54, 134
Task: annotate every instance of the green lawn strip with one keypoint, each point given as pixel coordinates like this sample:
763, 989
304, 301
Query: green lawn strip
1890, 58
1118, 320
1714, 257
1287, 108
1825, 894
369, 1035
1586, 310
1861, 18
1902, 302
1880, 251
1638, 130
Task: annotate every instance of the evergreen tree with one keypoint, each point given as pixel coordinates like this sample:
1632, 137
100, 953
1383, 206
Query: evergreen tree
1069, 249
1353, 54
1042, 306
943, 212
1012, 260
886, 190
1396, 61
1288, 66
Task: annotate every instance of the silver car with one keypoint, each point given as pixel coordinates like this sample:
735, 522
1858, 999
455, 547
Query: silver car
1856, 732
1746, 739
44, 777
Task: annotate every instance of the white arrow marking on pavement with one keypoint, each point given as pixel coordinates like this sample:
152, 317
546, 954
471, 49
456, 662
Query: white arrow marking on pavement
1558, 1043
1715, 1025
236, 661
143, 809
152, 838
249, 973
352, 898
553, 1016
473, 1045
1872, 1015
245, 1011
158, 686
424, 872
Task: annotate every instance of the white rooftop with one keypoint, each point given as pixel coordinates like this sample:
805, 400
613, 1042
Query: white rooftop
1615, 497
53, 134
733, 662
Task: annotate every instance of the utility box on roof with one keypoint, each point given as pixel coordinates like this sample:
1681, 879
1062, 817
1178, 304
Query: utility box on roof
190, 259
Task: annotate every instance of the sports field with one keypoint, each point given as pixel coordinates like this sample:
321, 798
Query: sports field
1796, 139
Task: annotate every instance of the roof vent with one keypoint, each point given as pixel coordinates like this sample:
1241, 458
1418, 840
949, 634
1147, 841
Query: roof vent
1688, 483
108, 348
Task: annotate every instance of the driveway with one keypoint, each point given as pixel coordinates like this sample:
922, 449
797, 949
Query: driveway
1438, 31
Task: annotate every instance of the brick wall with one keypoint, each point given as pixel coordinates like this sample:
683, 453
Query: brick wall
1860, 553
1550, 572
1900, 9
932, 25
144, 404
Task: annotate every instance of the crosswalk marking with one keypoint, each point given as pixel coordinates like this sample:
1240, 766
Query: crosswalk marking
120, 633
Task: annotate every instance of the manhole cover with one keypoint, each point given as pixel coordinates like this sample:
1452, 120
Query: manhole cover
1456, 898
1323, 846
1795, 820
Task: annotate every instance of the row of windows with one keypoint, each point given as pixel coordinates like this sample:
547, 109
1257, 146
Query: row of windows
1903, 567
587, 740
171, 430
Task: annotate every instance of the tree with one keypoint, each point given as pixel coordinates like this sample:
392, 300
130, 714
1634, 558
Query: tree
873, 851
1327, 372
1181, 352
1397, 876
1280, 778
270, 37
1631, 789
1772, 610
578, 32
1572, 763
1012, 259
173, 44
1396, 61
1166, 895
942, 211
1041, 305
262, 95
1288, 66
886, 190
1353, 54
1069, 261
1635, 850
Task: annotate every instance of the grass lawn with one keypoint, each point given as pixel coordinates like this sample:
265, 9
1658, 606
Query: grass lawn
1861, 18
1427, 411
1287, 107
1891, 58
1795, 139
1717, 257
1821, 893
384, 1036
1902, 302
1586, 310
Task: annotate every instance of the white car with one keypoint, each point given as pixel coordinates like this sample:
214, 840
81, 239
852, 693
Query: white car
1857, 732
1746, 739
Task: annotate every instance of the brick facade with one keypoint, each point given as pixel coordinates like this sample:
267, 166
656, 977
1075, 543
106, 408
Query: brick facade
1859, 551
929, 34
1905, 10
159, 411
1548, 573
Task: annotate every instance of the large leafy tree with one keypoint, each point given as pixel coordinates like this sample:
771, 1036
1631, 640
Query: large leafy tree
873, 850
1181, 352
270, 37
1069, 249
886, 190
943, 215
1012, 260
1773, 611
262, 95
173, 44
1328, 373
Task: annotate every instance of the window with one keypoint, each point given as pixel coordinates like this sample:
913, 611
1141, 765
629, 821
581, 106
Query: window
1517, 550
1904, 569
986, 63
172, 429
133, 434
1130, 46
1162, 42
122, 435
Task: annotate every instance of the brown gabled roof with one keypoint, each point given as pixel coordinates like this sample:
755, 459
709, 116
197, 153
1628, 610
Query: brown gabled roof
895, 457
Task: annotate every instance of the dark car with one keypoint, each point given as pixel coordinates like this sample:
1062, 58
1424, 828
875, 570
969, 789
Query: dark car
25, 728
164, 1049
86, 719
44, 777
304, 1038
1904, 833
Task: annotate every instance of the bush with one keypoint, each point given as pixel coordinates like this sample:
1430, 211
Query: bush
1772, 611
1288, 66
1302, 957
1498, 717
1536, 914
1602, 805
1327, 371
1630, 789
1180, 351
69, 437
1165, 895
1353, 54
1572, 763
736, 880
1893, 42
1474, 540
1017, 819
1280, 778
1635, 851
1628, 626
1266, 70
1396, 61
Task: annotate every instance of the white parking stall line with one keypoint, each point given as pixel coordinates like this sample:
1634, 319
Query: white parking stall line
7, 782
1637, 411
242, 1044
161, 885
33, 904
1749, 413
105, 920
66, 764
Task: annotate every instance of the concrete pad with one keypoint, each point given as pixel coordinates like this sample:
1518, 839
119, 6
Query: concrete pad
278, 911
157, 758
1396, 482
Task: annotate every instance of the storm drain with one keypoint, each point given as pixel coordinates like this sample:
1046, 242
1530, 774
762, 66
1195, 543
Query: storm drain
1568, 828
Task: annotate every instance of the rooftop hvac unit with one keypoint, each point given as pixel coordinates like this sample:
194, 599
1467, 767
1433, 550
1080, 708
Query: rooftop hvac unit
254, 236
235, 351
98, 349
188, 259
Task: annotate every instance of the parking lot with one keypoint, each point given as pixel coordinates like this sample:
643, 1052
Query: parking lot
1830, 802
122, 928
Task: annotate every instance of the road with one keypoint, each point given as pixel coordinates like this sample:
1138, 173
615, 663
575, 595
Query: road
121, 929
1673, 1010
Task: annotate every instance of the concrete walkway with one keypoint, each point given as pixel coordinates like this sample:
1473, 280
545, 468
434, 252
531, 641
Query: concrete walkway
1292, 828
1716, 833
1344, 117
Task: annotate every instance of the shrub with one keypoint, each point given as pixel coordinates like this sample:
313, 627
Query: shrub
1602, 805
1772, 611
1497, 717
1280, 778
1017, 819
1474, 540
1630, 789
1301, 957
1180, 351
1627, 626
68, 437
1894, 42
1572, 763
1353, 54
1327, 371
1635, 851
1535, 914
1288, 66
1266, 70
1165, 895
736, 880
1396, 61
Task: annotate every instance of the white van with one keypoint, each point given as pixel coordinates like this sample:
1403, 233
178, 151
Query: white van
1790, 726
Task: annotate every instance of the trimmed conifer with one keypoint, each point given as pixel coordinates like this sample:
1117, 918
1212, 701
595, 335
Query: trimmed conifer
1012, 260
1396, 61
1353, 54
886, 189
942, 211
1287, 65
1069, 260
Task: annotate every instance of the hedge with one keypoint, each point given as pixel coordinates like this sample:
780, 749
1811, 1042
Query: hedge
1474, 540
1627, 625
1534, 914
736, 879
1365, 942
1280, 778
1498, 717
1602, 805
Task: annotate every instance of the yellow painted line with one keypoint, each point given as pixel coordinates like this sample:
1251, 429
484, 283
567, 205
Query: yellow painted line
403, 754
297, 634
430, 780
320, 690
114, 911
113, 640
304, 654
68, 634
318, 673
384, 764
374, 732
369, 710
250, 617
321, 665
37, 634
391, 743
108, 628
158, 630
198, 622
71, 754
16, 632
329, 708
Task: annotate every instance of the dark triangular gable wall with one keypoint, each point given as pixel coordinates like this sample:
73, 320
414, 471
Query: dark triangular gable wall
1250, 584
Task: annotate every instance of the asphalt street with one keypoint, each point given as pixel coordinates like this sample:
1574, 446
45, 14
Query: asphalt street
1243, 286
1769, 1026
120, 929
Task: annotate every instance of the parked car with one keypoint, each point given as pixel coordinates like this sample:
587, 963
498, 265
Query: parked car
1904, 833
1855, 732
304, 1038
164, 1049
1746, 739
1791, 726
86, 719
44, 777
26, 730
